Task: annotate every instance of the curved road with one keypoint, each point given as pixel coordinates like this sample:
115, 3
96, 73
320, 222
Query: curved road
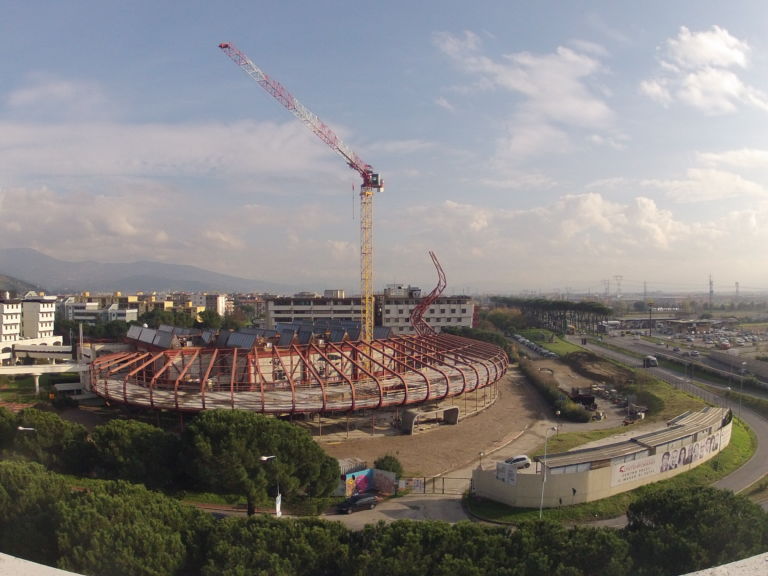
448, 507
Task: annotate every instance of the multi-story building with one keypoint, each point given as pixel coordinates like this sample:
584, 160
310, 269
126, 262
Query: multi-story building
38, 315
92, 312
26, 320
10, 320
213, 302
311, 309
393, 310
445, 312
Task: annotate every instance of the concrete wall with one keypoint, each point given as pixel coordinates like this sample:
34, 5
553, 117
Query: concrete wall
603, 479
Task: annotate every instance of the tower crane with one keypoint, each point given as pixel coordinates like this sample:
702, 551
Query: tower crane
372, 182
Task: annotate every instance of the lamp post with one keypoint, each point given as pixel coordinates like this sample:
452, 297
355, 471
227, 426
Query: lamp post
26, 429
650, 318
741, 383
544, 469
278, 498
481, 454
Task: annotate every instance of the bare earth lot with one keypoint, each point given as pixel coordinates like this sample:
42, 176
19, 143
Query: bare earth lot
513, 417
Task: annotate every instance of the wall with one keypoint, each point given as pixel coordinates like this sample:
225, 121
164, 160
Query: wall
524, 489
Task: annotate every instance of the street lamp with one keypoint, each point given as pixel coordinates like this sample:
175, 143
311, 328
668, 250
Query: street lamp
278, 498
741, 383
544, 471
26, 429
481, 454
650, 318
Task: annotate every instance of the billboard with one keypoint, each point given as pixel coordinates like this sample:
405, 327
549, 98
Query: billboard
666, 460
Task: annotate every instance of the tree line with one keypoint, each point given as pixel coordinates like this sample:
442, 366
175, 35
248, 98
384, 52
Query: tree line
219, 451
119, 528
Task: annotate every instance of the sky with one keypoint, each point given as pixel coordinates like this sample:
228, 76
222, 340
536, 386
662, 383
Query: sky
573, 147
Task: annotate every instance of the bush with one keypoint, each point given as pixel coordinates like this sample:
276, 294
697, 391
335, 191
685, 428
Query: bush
389, 463
546, 384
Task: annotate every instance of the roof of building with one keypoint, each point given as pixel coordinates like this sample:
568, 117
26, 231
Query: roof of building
686, 424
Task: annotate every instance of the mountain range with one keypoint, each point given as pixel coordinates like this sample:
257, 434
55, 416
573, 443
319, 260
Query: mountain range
54, 276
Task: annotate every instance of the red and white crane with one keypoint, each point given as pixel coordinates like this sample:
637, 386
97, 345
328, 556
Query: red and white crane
371, 181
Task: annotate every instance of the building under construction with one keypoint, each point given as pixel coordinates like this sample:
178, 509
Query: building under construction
293, 372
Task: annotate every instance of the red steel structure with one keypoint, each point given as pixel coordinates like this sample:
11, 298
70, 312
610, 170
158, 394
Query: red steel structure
317, 377
417, 316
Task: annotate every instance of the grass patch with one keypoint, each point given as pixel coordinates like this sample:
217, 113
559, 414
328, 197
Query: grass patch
562, 347
18, 389
738, 452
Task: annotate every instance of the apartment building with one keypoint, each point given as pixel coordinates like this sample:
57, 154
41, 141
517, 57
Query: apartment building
311, 309
38, 315
28, 319
393, 310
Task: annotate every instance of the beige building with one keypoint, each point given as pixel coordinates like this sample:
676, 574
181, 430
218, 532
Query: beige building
589, 474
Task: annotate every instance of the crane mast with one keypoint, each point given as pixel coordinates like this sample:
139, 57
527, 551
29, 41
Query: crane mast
372, 183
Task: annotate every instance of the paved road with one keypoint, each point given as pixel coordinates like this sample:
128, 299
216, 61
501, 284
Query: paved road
448, 508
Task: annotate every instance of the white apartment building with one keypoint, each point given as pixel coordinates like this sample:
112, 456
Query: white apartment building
391, 311
10, 321
446, 311
38, 315
310, 309
93, 312
213, 302
25, 320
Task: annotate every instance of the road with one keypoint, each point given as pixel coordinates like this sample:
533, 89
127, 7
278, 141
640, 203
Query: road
448, 507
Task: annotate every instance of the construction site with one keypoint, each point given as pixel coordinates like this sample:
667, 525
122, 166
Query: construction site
407, 378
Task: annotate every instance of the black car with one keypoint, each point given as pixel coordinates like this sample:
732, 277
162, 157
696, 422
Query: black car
357, 502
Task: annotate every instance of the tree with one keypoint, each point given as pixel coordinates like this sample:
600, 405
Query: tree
224, 448
122, 528
29, 495
677, 530
7, 428
135, 451
265, 545
209, 319
57, 444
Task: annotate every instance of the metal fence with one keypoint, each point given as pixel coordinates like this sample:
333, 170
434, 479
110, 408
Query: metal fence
436, 485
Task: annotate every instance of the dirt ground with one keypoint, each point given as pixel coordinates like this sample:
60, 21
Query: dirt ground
517, 409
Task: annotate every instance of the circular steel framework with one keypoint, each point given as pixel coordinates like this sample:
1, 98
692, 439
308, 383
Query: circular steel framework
310, 378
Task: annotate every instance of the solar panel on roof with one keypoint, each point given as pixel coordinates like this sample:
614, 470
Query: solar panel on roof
337, 334
244, 341
286, 337
163, 339
147, 335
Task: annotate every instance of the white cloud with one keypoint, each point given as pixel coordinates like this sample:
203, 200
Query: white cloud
743, 158
706, 185
696, 69
557, 90
99, 151
715, 47
46, 97
445, 104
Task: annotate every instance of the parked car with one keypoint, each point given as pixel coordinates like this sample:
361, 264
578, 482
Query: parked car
521, 461
357, 502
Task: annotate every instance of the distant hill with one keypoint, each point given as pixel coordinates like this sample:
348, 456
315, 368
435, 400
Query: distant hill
15, 286
59, 276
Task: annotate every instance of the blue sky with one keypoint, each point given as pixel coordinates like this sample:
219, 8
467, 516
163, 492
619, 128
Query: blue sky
533, 146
